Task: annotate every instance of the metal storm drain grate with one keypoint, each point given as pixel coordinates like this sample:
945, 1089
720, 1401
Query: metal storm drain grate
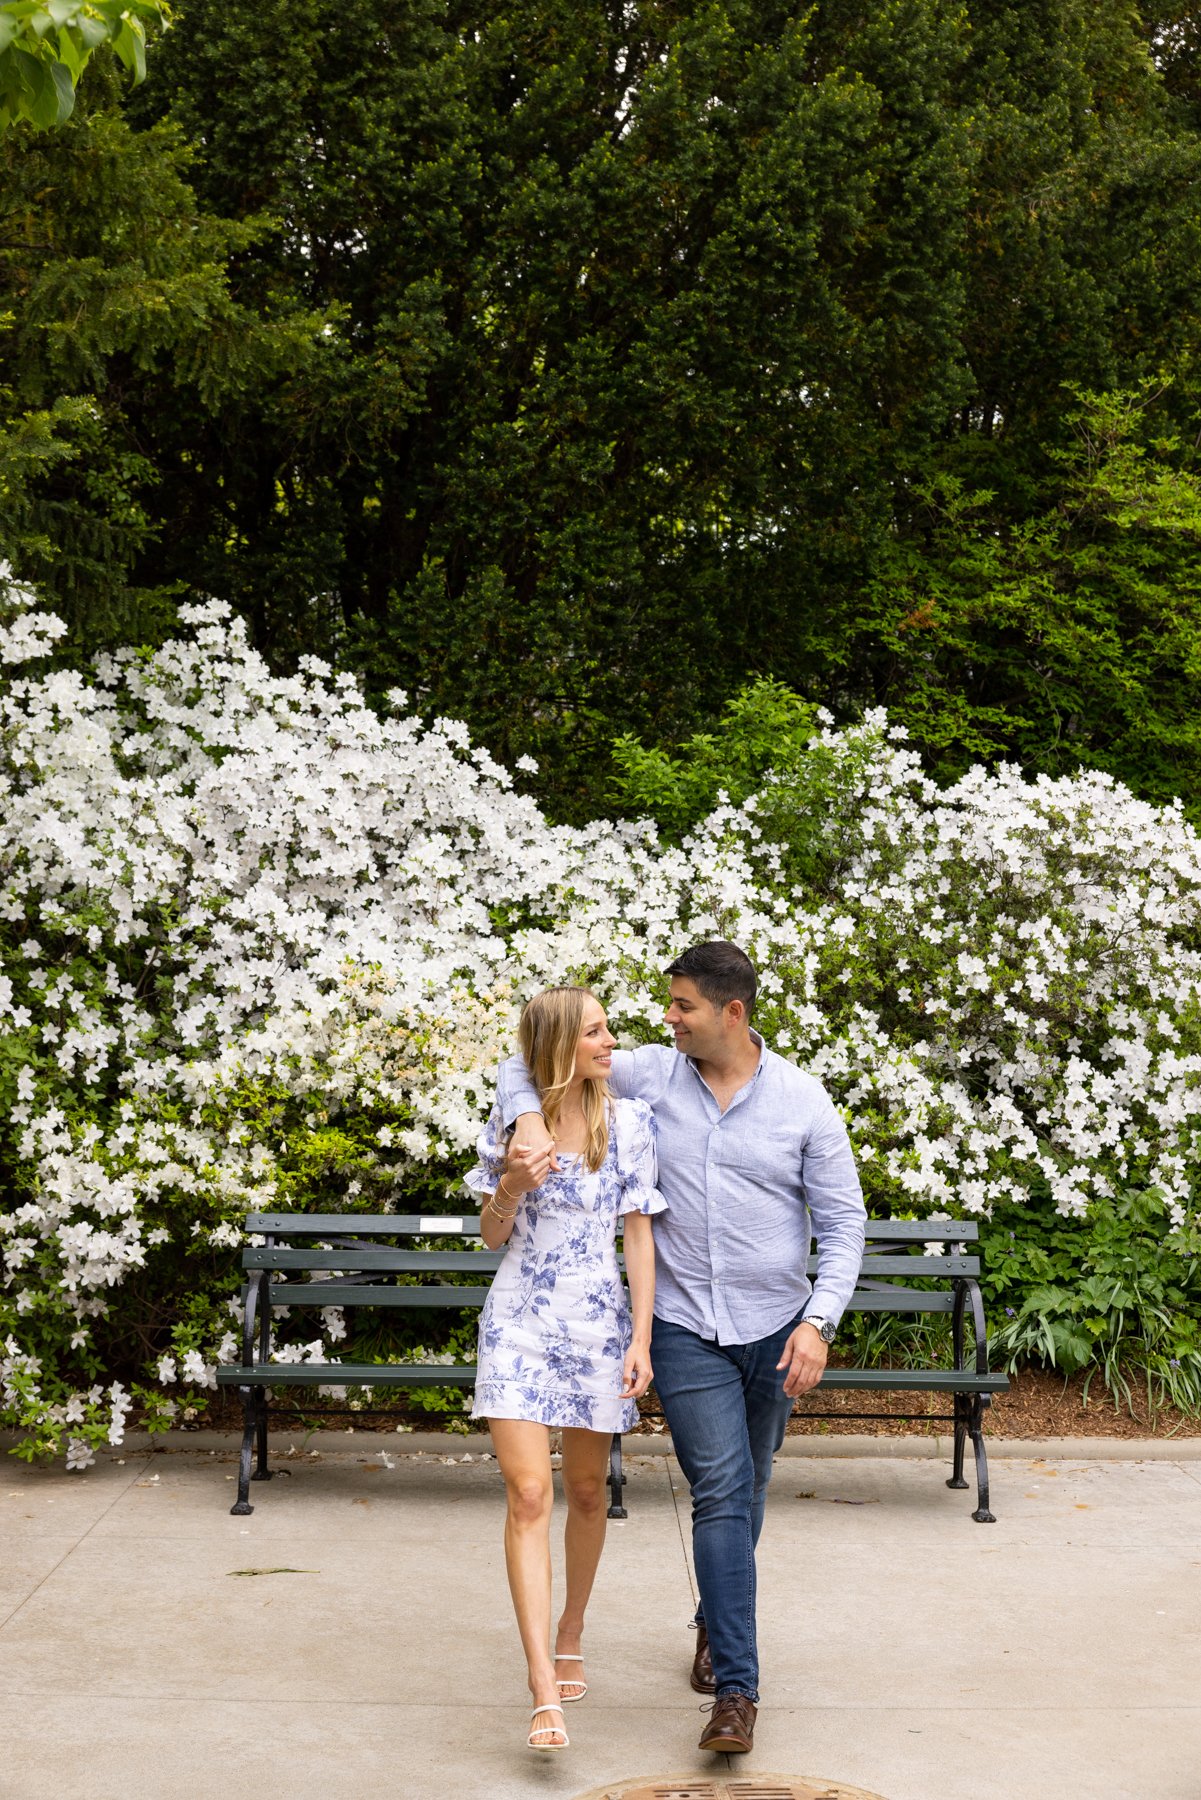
742, 1787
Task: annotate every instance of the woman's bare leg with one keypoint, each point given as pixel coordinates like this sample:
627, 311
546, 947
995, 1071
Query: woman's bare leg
585, 1463
523, 1452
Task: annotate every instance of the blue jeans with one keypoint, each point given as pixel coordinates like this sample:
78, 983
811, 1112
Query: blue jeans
726, 1409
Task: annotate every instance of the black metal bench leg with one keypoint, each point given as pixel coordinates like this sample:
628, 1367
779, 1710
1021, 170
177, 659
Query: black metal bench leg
961, 1426
241, 1505
617, 1479
262, 1472
981, 1515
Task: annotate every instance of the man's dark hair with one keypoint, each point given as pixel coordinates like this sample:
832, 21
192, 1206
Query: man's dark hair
721, 971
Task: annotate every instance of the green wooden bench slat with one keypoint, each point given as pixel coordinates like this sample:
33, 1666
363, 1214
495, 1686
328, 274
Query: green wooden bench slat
403, 1262
386, 1260
915, 1267
964, 1381
923, 1231
343, 1293
389, 1260
466, 1224
347, 1374
900, 1300
365, 1225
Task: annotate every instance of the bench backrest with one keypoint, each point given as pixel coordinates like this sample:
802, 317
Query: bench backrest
339, 1246
900, 1251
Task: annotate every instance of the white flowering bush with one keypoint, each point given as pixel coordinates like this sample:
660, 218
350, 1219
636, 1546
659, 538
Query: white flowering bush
260, 945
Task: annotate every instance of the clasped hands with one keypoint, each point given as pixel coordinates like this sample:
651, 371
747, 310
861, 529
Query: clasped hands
527, 1166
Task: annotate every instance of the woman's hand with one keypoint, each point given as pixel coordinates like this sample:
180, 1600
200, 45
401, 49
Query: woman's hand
639, 1247
637, 1373
526, 1167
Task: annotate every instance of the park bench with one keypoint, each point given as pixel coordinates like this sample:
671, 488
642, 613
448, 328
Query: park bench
898, 1253
314, 1260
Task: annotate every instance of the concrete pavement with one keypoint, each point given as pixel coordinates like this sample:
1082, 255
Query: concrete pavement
353, 1638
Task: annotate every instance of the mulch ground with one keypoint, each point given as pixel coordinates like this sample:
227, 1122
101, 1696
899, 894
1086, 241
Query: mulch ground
1039, 1404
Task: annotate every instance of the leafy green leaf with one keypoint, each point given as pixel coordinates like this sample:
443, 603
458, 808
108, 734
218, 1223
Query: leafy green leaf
130, 45
65, 92
40, 92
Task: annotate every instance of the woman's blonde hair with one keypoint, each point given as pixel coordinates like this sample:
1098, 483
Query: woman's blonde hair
548, 1034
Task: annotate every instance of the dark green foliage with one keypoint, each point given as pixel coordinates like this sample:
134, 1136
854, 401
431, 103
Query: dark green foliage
570, 368
1065, 636
119, 332
1117, 1293
765, 726
624, 316
1173, 31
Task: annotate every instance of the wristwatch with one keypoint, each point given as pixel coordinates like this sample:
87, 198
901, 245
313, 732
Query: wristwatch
825, 1328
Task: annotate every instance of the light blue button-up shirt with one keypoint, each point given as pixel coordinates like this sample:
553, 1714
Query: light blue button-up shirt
744, 1190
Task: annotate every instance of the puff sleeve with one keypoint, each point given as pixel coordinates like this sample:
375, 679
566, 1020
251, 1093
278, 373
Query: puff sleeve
491, 1149
636, 1161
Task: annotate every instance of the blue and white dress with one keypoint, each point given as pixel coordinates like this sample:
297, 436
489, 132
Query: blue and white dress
556, 1326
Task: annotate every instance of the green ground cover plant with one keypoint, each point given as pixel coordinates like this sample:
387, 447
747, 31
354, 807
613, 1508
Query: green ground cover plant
1116, 1294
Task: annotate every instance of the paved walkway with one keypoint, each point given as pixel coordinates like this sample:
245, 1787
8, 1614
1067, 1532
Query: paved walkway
906, 1650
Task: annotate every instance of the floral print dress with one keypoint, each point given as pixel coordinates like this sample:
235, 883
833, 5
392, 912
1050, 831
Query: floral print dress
556, 1326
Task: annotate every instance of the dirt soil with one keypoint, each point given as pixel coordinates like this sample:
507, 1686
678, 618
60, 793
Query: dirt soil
1039, 1404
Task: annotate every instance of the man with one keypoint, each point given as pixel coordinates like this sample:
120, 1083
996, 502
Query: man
750, 1150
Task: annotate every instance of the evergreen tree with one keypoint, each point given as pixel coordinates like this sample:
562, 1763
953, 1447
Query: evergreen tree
568, 366
117, 314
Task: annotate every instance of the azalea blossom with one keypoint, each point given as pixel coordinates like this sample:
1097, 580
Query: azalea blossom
242, 914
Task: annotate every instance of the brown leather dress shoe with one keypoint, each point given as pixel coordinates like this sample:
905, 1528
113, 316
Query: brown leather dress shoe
702, 1664
731, 1727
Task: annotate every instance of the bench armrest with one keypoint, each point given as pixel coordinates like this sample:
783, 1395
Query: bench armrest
967, 1294
254, 1289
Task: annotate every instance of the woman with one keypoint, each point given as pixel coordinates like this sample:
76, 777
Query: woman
558, 1347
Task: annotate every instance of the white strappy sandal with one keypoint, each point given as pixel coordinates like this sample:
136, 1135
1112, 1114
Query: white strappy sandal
566, 1683
542, 1730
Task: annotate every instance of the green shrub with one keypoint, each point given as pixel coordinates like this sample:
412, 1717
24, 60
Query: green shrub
1117, 1292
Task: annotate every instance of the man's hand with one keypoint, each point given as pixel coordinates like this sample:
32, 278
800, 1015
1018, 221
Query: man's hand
804, 1357
530, 1133
526, 1168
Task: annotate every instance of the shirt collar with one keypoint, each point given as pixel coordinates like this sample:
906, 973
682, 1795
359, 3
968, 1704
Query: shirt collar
764, 1053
